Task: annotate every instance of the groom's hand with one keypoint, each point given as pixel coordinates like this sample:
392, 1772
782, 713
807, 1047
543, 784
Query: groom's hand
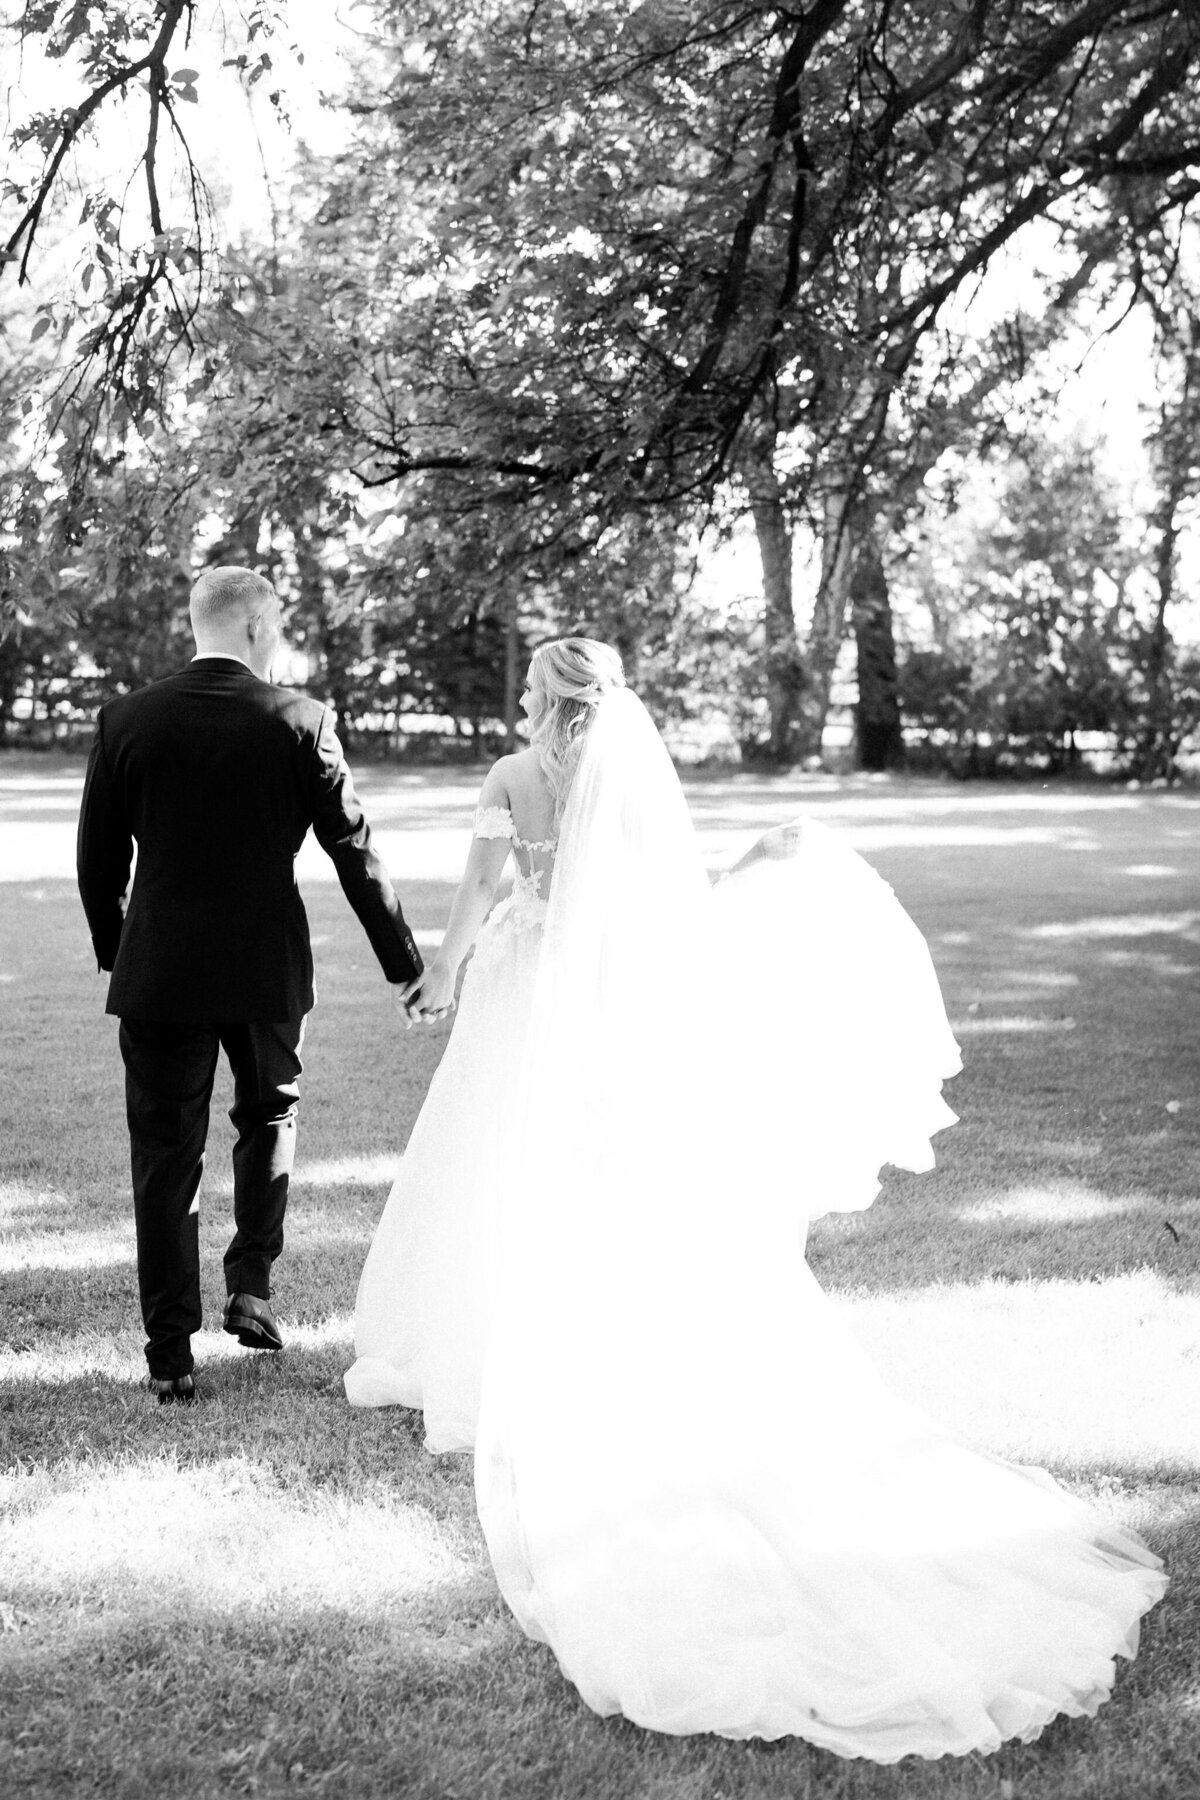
409, 1014
430, 997
411, 1011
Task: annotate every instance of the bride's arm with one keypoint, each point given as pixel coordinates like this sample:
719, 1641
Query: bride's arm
434, 991
780, 842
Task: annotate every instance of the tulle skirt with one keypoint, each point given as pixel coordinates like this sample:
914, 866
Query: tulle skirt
693, 1484
425, 1298
733, 1527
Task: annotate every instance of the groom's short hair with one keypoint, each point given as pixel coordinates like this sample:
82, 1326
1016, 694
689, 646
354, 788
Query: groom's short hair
221, 595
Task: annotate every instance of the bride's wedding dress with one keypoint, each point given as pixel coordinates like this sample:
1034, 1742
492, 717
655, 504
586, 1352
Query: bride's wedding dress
693, 1484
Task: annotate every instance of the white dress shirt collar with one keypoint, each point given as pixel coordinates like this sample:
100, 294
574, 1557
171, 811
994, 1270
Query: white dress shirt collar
221, 656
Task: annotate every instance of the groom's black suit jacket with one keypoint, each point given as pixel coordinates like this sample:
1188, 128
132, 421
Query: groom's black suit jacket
218, 776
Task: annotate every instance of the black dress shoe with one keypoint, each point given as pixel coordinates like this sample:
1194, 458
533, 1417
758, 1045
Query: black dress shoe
251, 1321
173, 1390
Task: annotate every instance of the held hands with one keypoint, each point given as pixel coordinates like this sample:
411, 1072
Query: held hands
430, 997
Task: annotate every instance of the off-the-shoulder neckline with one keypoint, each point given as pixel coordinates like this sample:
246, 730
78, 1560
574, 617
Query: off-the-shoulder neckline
481, 813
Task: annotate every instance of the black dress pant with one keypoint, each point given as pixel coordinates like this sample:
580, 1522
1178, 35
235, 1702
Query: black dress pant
169, 1071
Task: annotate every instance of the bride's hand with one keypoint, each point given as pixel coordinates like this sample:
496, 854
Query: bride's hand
431, 996
781, 841
775, 845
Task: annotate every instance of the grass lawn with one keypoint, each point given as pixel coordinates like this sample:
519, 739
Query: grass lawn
270, 1592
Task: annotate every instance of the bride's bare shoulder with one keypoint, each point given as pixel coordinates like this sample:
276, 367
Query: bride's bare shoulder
522, 772
527, 760
515, 777
518, 782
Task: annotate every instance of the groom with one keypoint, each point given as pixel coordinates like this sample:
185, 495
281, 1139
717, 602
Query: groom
217, 774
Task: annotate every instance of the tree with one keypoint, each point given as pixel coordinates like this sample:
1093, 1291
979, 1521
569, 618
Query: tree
1037, 614
936, 695
584, 262
1166, 276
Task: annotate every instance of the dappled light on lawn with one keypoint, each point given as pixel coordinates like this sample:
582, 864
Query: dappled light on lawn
347, 1171
13, 785
1155, 962
1006, 1023
863, 797
216, 1534
936, 836
423, 818
335, 1331
86, 1249
1072, 1375
41, 851
375, 1170
67, 802
37, 1360
1057, 1203
1119, 925
24, 1206
326, 1232
1049, 980
48, 1359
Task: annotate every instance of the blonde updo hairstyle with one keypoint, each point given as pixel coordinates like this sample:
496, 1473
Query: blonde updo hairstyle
573, 675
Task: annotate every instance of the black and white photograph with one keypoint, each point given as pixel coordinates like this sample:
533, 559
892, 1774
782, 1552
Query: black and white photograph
600, 900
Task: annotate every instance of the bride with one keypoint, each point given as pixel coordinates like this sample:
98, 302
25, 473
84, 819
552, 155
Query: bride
693, 1484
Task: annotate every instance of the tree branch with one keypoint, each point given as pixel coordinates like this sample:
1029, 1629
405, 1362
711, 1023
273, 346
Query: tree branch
819, 20
156, 224
74, 119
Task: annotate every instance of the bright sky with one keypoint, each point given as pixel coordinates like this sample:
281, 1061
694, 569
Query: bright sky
239, 133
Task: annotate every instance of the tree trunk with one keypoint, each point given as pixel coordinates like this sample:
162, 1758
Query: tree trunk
512, 671
785, 677
828, 627
877, 715
1176, 440
1156, 751
10, 664
466, 707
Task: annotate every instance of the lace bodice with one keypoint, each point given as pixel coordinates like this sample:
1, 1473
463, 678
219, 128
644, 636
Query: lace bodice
534, 858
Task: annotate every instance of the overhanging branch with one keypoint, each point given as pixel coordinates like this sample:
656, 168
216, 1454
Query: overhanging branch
72, 122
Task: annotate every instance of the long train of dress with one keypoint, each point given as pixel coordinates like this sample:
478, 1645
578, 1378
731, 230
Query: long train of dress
693, 1484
